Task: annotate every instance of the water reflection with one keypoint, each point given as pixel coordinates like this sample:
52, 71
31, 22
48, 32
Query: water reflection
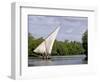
57, 61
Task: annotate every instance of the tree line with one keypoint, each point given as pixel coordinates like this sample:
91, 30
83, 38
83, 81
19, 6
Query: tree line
61, 48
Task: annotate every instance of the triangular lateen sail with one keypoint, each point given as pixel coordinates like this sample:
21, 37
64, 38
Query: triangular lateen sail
47, 44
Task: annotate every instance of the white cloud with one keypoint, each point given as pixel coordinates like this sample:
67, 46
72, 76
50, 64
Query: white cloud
69, 30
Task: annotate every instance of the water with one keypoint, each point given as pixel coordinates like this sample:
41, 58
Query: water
56, 60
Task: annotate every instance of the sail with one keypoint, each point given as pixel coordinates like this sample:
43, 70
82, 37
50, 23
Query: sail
47, 44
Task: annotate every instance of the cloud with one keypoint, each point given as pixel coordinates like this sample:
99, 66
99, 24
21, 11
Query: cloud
72, 28
69, 30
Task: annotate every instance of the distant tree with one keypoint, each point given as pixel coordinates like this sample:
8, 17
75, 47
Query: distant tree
67, 48
60, 48
85, 43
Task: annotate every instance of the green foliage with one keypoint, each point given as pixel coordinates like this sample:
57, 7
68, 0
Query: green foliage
85, 43
60, 48
67, 48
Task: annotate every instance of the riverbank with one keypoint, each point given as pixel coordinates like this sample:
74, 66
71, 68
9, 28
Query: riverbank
68, 56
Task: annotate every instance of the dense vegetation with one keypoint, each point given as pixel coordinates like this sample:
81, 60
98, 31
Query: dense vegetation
85, 43
67, 48
60, 48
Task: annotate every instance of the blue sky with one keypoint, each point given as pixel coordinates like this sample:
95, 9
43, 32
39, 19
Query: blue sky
71, 29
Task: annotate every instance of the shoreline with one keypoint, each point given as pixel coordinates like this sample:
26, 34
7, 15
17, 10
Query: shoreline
69, 56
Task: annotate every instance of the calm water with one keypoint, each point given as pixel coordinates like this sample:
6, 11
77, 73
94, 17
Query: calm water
63, 60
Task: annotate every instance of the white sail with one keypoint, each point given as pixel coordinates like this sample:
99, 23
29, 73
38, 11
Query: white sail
47, 44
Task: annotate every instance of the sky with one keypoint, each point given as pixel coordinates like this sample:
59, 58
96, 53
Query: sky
71, 27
